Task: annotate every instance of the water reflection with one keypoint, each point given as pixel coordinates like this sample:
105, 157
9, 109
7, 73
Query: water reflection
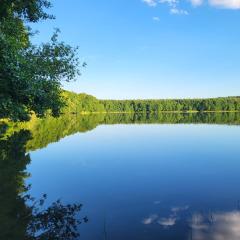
166, 221
216, 226
197, 226
49, 129
21, 216
150, 166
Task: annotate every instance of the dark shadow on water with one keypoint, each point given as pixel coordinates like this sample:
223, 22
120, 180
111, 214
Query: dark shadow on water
21, 216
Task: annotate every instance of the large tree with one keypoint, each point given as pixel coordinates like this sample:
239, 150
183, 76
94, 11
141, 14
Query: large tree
31, 75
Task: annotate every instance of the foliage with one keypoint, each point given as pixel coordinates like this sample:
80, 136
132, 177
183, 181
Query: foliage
31, 75
83, 103
183, 105
58, 221
30, 10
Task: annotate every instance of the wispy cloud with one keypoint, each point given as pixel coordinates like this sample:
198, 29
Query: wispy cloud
178, 11
230, 4
173, 5
151, 3
175, 8
196, 3
157, 19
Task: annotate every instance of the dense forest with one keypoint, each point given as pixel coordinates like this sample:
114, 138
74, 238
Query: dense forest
81, 103
211, 104
76, 103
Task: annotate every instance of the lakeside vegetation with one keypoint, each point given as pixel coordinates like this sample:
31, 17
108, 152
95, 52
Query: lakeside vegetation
31, 75
183, 105
84, 112
83, 103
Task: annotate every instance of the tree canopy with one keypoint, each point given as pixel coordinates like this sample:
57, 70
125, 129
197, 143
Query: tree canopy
83, 103
31, 75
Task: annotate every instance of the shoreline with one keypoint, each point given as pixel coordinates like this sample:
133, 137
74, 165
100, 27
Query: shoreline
144, 112
2, 121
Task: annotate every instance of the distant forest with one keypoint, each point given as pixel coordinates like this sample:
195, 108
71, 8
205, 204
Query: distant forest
83, 103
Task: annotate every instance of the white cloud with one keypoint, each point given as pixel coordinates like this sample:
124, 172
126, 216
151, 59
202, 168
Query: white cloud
231, 4
196, 3
157, 19
151, 3
178, 11
174, 9
171, 3
174, 4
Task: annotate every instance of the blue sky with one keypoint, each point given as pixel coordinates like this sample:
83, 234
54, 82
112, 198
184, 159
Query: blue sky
151, 49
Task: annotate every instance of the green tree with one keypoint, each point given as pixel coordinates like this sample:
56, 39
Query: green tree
31, 75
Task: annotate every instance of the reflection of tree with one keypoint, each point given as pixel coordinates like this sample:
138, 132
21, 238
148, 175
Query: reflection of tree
49, 129
13, 161
3, 128
22, 217
58, 221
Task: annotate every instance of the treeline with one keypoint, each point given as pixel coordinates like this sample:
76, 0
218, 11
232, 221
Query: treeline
180, 105
83, 103
80, 103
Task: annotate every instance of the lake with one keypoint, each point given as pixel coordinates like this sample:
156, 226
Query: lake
144, 177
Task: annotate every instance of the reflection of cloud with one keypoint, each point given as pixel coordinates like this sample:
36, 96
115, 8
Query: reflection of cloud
167, 222
171, 220
218, 226
150, 219
178, 209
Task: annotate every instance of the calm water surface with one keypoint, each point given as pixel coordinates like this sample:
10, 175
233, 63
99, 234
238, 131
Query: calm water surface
146, 181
